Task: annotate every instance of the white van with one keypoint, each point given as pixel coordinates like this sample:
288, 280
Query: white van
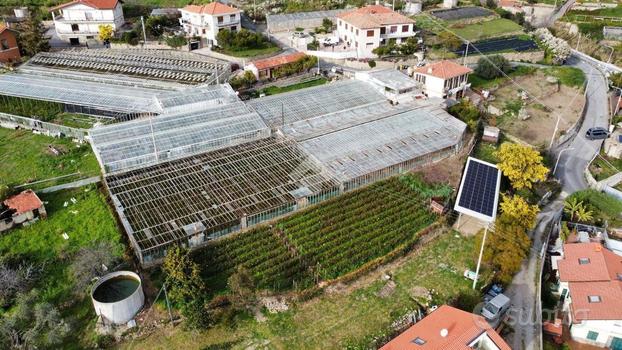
496, 307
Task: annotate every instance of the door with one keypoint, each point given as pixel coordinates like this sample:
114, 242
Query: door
616, 343
74, 41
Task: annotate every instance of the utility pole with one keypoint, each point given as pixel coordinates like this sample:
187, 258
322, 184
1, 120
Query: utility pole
466, 53
168, 305
479, 260
142, 22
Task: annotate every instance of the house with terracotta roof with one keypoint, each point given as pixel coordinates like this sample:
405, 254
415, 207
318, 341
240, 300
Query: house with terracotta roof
263, 69
9, 51
206, 21
369, 27
78, 21
590, 285
448, 328
444, 79
21, 209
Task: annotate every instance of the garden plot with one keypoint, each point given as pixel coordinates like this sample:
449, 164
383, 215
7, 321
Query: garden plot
532, 117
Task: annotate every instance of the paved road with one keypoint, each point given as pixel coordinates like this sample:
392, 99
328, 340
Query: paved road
575, 157
579, 151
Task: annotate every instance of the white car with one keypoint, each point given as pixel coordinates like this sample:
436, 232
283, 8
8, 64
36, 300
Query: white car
329, 41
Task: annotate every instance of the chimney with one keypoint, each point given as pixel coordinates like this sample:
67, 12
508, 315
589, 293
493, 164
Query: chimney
444, 332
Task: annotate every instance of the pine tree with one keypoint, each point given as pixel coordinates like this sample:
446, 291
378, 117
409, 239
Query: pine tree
32, 38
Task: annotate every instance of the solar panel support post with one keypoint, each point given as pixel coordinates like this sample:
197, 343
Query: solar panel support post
479, 260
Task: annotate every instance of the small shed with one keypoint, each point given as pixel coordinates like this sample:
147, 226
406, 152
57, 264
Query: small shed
21, 209
262, 69
491, 134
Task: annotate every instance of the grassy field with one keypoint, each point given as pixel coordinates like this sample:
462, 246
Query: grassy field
603, 167
87, 221
352, 316
25, 157
273, 90
482, 83
487, 29
569, 76
328, 240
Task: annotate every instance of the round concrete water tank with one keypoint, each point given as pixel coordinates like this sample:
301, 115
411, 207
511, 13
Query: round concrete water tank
118, 296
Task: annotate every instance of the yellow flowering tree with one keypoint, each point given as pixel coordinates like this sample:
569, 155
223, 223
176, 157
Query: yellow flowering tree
105, 32
521, 212
521, 164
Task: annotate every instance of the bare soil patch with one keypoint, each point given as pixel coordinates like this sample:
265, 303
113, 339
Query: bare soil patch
545, 101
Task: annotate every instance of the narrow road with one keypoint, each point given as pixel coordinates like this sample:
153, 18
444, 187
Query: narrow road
578, 152
575, 156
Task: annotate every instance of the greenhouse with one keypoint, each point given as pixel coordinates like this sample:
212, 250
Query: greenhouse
194, 199
168, 65
210, 164
303, 104
104, 99
148, 141
378, 149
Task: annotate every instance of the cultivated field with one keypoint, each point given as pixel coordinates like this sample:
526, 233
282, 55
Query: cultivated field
324, 241
346, 315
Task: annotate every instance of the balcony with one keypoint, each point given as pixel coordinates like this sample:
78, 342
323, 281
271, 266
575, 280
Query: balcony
228, 23
62, 19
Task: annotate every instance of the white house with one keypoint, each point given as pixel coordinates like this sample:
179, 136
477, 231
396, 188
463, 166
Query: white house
590, 277
444, 79
206, 21
79, 20
369, 27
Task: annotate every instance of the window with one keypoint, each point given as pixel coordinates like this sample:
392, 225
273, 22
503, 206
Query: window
339, 23
346, 26
594, 298
405, 28
370, 33
383, 30
393, 29
418, 341
75, 27
88, 16
220, 19
356, 44
351, 29
232, 18
357, 32
369, 44
584, 261
203, 30
592, 335
4, 44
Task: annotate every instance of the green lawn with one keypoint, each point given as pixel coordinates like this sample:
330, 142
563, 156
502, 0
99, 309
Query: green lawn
251, 52
87, 221
603, 167
273, 90
569, 76
487, 29
333, 321
25, 157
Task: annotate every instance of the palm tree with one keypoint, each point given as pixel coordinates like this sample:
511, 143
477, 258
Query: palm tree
584, 214
571, 206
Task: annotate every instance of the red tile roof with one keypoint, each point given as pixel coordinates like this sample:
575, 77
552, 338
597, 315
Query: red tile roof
23, 202
462, 329
373, 16
507, 3
213, 8
600, 277
97, 4
444, 69
277, 61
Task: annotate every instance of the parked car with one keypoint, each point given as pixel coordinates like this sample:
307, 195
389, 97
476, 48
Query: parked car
329, 41
597, 133
298, 35
496, 307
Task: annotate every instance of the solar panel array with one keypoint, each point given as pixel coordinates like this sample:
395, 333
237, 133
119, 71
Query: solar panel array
479, 188
154, 64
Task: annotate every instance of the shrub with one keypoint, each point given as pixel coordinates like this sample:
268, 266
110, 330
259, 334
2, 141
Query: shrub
371, 63
242, 40
492, 67
467, 112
